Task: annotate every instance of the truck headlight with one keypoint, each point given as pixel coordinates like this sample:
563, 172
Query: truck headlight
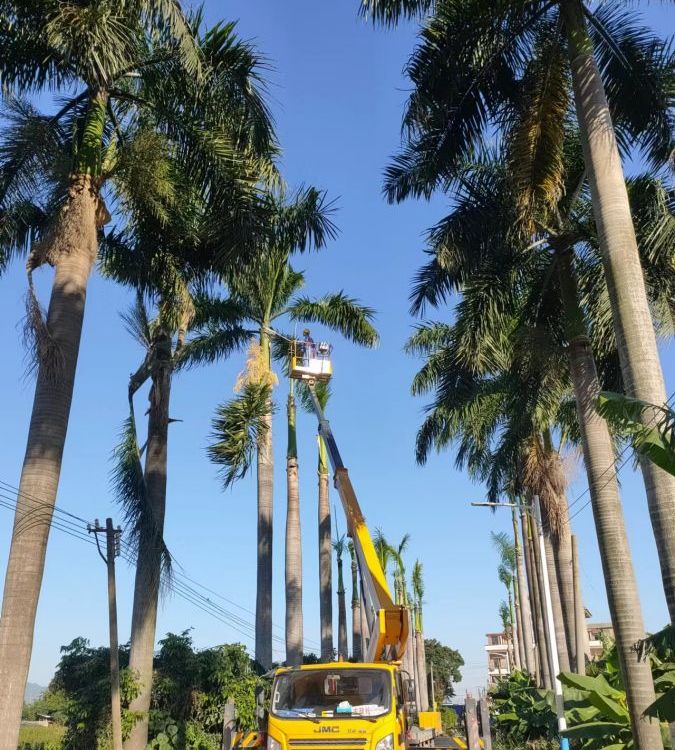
273, 744
386, 743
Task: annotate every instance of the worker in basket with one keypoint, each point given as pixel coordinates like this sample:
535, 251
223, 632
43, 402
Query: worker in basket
308, 347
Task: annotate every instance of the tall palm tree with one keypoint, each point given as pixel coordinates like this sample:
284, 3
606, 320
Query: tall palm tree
343, 648
356, 606
516, 272
122, 65
593, 61
323, 392
506, 572
418, 593
294, 624
525, 623
401, 597
262, 295
164, 262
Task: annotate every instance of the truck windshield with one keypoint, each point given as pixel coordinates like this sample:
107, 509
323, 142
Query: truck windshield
335, 693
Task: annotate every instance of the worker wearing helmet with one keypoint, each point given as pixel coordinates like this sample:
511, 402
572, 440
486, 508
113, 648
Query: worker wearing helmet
308, 347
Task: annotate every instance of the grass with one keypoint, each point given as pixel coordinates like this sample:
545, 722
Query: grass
41, 738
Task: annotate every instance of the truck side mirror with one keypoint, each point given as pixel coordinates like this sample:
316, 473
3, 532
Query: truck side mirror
410, 690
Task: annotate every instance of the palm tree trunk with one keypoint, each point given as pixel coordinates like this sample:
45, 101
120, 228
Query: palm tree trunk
634, 330
343, 648
356, 609
549, 637
535, 598
150, 548
519, 626
325, 559
365, 627
294, 636
527, 638
558, 618
622, 593
72, 248
514, 631
562, 552
263, 603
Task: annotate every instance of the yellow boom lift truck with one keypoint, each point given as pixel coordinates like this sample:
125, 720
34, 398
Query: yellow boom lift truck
344, 705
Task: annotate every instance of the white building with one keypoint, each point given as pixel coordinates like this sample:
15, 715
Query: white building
499, 658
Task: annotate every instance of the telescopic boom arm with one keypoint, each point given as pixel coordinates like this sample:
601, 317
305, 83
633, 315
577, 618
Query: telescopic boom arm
388, 621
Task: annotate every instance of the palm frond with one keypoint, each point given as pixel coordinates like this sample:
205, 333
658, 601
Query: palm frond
340, 313
637, 71
505, 548
137, 322
537, 135
418, 582
237, 429
131, 493
390, 12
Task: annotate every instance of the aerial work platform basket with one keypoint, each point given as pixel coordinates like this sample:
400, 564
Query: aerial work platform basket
310, 361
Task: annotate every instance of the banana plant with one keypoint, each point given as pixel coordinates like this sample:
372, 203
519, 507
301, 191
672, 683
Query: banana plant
655, 440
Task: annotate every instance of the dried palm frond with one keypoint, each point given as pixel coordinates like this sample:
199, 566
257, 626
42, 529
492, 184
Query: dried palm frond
257, 371
543, 475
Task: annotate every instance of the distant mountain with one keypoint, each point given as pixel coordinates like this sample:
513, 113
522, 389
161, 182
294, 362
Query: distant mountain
33, 692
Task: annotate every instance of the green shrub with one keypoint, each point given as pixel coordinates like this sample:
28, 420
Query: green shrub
41, 738
448, 719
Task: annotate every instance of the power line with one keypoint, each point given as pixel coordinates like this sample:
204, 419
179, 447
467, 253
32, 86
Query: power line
627, 447
41, 512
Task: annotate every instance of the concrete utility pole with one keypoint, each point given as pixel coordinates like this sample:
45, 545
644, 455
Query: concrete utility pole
485, 721
471, 720
548, 605
113, 537
229, 721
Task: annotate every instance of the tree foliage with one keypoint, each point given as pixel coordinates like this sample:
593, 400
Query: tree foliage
446, 664
190, 689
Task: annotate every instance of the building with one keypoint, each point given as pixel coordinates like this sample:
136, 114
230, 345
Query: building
499, 658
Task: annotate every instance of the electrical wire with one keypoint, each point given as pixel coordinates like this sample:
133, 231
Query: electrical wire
613, 465
40, 512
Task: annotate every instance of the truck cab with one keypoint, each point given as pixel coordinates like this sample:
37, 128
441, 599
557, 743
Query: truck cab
338, 706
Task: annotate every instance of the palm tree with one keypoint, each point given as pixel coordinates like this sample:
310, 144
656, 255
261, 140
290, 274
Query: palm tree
343, 649
525, 619
122, 64
323, 391
164, 262
418, 593
573, 58
401, 597
507, 625
324, 525
385, 552
356, 606
506, 572
261, 295
536, 312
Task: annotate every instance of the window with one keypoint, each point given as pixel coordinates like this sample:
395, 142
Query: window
338, 693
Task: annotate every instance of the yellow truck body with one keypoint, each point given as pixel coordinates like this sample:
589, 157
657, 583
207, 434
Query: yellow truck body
325, 729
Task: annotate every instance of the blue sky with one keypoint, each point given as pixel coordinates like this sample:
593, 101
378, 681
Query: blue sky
337, 93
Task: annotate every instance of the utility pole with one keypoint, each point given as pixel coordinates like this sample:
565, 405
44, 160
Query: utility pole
548, 605
113, 539
471, 720
485, 721
433, 689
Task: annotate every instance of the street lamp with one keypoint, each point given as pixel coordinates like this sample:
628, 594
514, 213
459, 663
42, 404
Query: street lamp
553, 649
